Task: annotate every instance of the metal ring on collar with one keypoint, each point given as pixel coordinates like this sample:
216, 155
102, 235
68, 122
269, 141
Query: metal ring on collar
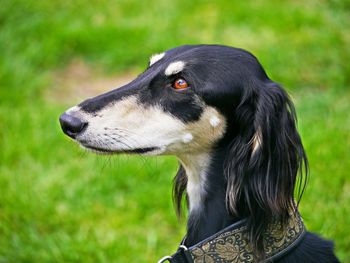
183, 247
163, 259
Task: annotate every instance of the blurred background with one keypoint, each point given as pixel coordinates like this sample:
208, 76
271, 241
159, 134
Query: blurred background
61, 204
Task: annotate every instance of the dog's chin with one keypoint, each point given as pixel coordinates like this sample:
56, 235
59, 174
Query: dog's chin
105, 151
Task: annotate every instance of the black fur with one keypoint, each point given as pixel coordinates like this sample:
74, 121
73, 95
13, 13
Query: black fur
260, 185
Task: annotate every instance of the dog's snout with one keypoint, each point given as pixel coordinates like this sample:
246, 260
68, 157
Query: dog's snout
71, 125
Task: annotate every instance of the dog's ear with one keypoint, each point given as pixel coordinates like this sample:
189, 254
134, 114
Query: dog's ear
264, 159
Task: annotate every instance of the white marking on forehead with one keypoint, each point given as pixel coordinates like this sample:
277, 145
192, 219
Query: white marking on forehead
156, 57
187, 138
174, 68
214, 121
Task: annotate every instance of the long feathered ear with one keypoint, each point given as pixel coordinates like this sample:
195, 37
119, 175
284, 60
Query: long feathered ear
264, 159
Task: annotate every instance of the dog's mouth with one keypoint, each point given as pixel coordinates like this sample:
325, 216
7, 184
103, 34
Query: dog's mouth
131, 151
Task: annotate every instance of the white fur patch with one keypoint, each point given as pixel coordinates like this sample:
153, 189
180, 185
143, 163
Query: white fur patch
156, 57
187, 138
195, 167
214, 121
174, 68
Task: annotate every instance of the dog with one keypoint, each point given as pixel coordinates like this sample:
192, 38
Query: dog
234, 133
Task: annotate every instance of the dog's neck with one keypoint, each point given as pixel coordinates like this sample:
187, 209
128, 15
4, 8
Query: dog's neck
196, 167
206, 191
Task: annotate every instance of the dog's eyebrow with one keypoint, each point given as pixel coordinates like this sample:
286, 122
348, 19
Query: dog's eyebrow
156, 57
174, 68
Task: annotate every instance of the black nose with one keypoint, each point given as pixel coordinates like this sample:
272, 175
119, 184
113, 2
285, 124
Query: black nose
71, 125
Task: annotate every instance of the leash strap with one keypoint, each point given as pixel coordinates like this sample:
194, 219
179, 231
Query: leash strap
232, 244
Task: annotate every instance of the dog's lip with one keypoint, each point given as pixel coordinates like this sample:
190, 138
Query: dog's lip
127, 151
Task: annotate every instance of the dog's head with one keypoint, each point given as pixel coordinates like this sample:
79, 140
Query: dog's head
175, 106
194, 99
181, 103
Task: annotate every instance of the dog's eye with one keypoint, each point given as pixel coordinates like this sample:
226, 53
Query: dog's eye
180, 84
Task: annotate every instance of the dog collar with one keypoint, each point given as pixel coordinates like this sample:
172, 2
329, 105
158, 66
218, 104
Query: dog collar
232, 244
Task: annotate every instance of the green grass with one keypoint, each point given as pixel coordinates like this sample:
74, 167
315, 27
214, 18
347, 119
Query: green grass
59, 204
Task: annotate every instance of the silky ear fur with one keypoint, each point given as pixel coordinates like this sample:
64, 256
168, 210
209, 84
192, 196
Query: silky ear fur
264, 159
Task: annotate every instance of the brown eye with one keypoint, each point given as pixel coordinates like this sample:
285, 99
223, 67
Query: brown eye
180, 84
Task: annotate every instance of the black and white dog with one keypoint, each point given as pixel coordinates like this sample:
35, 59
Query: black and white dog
232, 129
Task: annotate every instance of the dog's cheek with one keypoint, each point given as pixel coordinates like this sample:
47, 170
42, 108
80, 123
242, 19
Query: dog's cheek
201, 135
209, 129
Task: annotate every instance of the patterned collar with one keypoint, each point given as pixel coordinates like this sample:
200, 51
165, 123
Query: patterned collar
232, 244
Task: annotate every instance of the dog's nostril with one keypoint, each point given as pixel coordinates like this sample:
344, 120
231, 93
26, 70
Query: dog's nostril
71, 125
